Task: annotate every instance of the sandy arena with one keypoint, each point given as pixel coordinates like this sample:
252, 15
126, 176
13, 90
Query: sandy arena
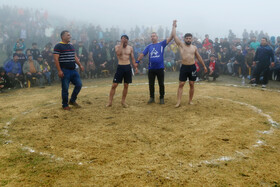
229, 137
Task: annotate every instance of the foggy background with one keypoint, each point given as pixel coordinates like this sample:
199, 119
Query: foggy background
199, 17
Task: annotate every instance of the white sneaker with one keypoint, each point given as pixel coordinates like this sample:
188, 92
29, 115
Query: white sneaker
263, 86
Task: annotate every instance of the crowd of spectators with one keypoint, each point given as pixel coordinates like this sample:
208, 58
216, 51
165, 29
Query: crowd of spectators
27, 38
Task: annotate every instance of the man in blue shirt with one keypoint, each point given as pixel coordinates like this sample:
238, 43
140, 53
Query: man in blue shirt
14, 70
156, 65
264, 58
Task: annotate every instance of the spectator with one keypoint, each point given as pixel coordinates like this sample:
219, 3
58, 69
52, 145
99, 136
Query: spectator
34, 51
249, 58
225, 59
82, 54
31, 69
275, 71
217, 45
21, 56
264, 58
213, 68
254, 43
4, 80
46, 70
239, 63
100, 63
19, 45
169, 59
14, 71
91, 66
108, 52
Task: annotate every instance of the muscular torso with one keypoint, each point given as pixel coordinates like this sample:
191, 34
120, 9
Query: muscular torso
187, 54
123, 54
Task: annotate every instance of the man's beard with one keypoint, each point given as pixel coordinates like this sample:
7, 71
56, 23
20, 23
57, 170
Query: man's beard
188, 43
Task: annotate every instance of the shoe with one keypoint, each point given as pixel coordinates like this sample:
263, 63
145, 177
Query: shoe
263, 86
75, 104
254, 84
151, 100
67, 108
161, 101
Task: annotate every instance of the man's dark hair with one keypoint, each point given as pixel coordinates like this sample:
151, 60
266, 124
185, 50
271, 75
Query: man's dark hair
188, 35
63, 32
265, 38
34, 43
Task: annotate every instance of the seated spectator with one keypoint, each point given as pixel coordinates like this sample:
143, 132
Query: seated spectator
249, 58
31, 69
213, 68
225, 59
14, 71
45, 69
239, 63
4, 80
199, 72
100, 63
90, 66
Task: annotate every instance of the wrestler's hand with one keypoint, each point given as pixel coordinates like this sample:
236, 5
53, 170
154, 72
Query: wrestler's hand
82, 68
205, 69
175, 23
272, 64
136, 70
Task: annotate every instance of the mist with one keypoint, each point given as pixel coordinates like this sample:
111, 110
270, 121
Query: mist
199, 17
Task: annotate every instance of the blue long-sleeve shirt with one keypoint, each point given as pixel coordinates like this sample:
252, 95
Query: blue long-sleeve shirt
13, 67
264, 55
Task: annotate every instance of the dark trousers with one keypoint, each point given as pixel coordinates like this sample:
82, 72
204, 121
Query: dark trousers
74, 77
159, 73
261, 68
37, 76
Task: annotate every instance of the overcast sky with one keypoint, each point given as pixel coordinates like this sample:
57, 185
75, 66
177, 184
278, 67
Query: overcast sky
215, 17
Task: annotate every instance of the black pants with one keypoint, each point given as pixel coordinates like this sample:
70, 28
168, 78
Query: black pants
261, 68
159, 73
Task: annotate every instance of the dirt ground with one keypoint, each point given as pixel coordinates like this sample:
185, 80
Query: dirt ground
229, 137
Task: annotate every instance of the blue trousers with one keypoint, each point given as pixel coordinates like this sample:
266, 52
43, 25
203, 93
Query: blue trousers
73, 77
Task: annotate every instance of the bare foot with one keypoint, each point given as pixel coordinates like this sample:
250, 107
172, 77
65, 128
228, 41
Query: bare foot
177, 105
190, 103
109, 105
124, 105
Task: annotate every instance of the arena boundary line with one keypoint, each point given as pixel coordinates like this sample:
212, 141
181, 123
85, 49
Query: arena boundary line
207, 162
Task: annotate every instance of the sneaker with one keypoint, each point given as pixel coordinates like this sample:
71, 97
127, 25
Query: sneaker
263, 86
151, 100
75, 104
254, 84
67, 108
161, 101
